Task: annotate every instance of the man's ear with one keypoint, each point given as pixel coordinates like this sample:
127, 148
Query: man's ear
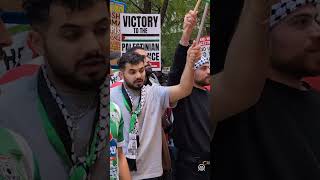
37, 42
121, 74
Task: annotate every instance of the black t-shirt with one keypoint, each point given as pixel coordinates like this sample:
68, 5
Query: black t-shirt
278, 138
191, 127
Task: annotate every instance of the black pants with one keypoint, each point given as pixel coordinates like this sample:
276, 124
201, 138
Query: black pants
190, 171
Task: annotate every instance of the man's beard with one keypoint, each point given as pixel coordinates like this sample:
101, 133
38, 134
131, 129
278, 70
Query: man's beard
132, 86
295, 68
70, 78
202, 82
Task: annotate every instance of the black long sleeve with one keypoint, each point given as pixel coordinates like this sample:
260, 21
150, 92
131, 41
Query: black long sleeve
191, 125
224, 23
178, 65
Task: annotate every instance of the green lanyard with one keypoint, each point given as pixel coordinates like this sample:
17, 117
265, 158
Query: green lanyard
78, 171
134, 114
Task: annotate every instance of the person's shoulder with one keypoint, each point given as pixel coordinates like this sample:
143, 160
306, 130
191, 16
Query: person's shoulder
156, 87
115, 89
116, 84
156, 92
15, 92
22, 85
115, 94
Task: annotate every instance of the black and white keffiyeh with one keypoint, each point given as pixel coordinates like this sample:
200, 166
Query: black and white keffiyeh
285, 7
201, 62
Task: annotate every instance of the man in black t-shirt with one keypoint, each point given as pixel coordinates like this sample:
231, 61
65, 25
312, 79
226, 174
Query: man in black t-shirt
277, 137
192, 130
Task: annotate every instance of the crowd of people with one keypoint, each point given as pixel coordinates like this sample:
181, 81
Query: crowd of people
144, 105
61, 105
260, 120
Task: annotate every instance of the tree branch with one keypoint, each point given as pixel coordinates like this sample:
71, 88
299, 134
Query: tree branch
164, 10
158, 8
141, 10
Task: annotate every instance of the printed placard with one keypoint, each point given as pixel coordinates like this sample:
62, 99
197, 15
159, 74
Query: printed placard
115, 36
142, 30
205, 46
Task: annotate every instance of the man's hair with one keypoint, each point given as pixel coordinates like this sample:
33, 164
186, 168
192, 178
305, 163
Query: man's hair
38, 11
134, 48
131, 58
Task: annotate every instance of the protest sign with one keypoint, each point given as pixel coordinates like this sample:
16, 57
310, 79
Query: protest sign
115, 37
20, 51
142, 30
205, 47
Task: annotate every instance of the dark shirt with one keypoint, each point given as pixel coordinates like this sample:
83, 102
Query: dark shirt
278, 138
224, 25
191, 127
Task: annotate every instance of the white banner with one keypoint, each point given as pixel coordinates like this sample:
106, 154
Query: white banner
142, 30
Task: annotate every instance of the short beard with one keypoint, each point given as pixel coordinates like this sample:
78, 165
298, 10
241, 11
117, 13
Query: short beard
293, 68
69, 78
131, 86
201, 83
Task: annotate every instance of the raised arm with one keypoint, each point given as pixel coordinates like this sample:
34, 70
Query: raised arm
190, 21
240, 84
184, 88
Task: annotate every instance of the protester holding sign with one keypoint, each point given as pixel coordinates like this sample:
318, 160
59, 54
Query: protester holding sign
192, 130
142, 107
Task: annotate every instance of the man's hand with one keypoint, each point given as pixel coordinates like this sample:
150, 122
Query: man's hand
194, 54
123, 166
190, 21
185, 87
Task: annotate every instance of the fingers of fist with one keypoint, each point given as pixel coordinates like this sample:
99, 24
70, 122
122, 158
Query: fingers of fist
194, 53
